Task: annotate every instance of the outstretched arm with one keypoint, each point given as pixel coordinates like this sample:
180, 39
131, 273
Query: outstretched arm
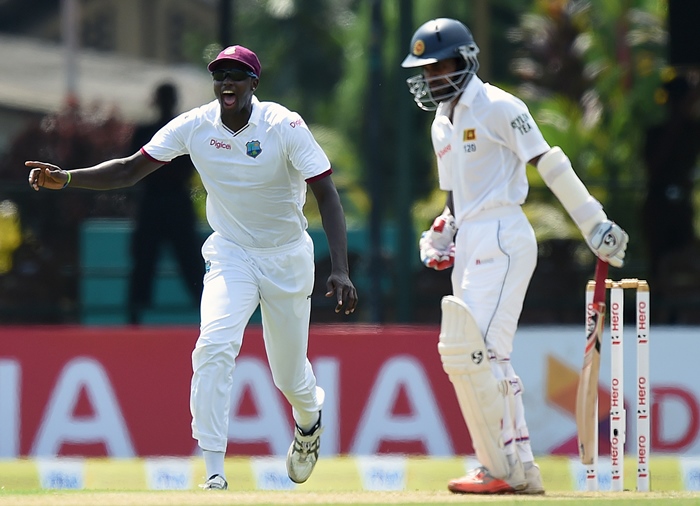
109, 175
333, 221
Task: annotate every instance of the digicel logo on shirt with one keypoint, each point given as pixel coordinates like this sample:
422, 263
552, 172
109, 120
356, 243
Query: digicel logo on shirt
219, 144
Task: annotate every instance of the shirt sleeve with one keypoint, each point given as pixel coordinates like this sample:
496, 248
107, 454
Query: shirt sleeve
518, 130
305, 154
441, 133
170, 141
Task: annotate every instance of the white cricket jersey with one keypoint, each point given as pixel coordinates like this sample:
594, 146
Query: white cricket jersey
255, 178
482, 153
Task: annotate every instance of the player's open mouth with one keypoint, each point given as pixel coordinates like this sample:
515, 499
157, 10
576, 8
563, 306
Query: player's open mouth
228, 98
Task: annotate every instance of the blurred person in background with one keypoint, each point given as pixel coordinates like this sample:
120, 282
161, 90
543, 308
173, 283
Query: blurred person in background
255, 160
165, 216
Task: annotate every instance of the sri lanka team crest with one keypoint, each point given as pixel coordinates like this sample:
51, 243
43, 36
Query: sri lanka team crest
418, 48
252, 148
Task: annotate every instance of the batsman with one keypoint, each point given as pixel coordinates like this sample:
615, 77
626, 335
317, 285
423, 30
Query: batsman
483, 138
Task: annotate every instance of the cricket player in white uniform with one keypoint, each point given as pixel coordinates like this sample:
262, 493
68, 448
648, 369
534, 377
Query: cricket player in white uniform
483, 138
255, 160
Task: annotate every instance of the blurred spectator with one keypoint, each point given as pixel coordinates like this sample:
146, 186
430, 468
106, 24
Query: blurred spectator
165, 215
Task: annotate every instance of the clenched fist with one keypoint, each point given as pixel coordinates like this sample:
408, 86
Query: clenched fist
609, 242
46, 175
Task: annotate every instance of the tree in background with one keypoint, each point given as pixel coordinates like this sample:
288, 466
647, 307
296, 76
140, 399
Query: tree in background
594, 73
587, 69
590, 70
305, 52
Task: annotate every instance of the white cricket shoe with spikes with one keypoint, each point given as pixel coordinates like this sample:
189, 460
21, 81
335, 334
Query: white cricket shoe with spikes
303, 452
215, 482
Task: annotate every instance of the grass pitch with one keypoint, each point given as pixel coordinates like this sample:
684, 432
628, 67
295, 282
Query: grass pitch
110, 482
259, 498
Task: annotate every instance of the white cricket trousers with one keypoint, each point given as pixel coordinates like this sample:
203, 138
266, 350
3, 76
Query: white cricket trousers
495, 257
236, 282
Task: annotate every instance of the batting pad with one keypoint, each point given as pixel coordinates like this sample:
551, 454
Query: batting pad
480, 395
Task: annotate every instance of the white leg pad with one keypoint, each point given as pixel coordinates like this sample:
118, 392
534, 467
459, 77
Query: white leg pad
480, 395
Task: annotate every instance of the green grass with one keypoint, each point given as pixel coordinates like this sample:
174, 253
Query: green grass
298, 497
110, 482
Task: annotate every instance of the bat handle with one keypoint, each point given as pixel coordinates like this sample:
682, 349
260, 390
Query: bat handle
601, 274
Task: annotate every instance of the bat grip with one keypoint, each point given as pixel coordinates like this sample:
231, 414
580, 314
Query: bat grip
601, 273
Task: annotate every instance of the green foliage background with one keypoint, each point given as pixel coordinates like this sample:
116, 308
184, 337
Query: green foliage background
589, 70
318, 64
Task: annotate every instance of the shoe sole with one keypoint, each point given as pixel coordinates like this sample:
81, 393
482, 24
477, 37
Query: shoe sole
502, 491
473, 492
298, 481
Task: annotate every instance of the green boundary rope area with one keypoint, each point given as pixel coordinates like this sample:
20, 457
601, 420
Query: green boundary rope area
121, 482
202, 498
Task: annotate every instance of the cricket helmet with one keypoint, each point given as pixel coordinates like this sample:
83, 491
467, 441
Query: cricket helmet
436, 40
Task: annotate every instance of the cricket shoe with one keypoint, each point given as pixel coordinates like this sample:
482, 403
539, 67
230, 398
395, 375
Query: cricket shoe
534, 480
481, 481
215, 482
303, 452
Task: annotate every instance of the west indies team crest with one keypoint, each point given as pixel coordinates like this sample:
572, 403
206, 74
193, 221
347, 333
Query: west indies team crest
252, 148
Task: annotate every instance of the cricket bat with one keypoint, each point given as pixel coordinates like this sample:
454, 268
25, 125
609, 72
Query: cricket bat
587, 393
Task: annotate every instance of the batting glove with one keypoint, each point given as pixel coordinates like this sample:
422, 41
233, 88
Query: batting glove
437, 248
609, 242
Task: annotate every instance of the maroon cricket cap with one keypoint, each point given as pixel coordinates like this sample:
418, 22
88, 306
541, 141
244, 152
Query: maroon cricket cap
236, 53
